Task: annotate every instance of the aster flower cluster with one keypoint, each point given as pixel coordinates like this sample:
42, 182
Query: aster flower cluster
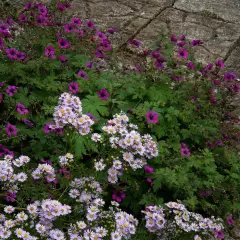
85, 189
9, 179
44, 171
176, 216
40, 215
65, 160
132, 149
69, 113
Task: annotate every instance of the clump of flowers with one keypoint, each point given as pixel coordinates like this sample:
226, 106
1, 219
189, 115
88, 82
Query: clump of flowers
177, 217
65, 160
69, 113
85, 189
44, 171
131, 148
10, 177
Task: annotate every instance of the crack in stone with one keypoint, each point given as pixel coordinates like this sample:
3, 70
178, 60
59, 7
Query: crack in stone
123, 45
204, 14
231, 49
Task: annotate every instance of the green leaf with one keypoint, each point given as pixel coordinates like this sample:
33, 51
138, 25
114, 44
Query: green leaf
95, 106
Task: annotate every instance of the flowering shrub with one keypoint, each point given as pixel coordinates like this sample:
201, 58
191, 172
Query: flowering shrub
157, 134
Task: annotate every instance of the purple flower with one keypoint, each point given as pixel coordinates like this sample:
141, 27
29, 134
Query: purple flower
22, 18
219, 234
63, 43
104, 45
181, 44
90, 24
217, 82
28, 5
99, 53
83, 74
152, 117
190, 65
63, 59
195, 43
59, 131
134, 42
11, 90
229, 76
182, 38
47, 128
20, 56
173, 38
185, 152
235, 87
11, 130
28, 122
220, 63
89, 65
41, 20
76, 21
50, 52
101, 35
42, 10
11, 53
61, 7
103, 94
111, 30
73, 87
148, 169
11, 196
182, 53
9, 20
69, 28
4, 151
230, 220
149, 180
21, 109
81, 32
4, 28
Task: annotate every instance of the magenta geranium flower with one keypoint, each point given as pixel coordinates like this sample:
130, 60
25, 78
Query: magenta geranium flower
83, 74
10, 196
99, 53
220, 63
185, 152
195, 43
11, 53
4, 28
73, 87
173, 38
134, 42
50, 52
22, 18
103, 94
63, 43
152, 117
28, 122
69, 28
76, 21
61, 7
42, 10
230, 220
90, 24
148, 169
63, 59
11, 130
111, 30
11, 90
47, 128
219, 234
190, 65
21, 109
89, 65
182, 53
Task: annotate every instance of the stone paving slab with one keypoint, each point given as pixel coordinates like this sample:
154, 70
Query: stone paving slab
215, 22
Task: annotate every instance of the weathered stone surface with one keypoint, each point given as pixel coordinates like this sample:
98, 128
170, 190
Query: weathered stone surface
233, 61
226, 9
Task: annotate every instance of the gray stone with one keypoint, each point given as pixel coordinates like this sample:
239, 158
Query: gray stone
226, 9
